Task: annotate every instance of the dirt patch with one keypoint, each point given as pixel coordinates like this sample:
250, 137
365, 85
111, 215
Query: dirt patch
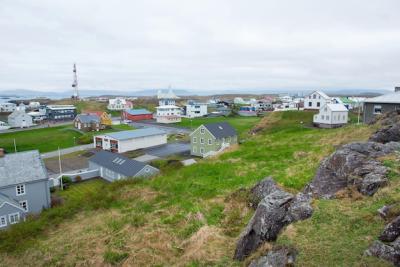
208, 243
266, 122
144, 194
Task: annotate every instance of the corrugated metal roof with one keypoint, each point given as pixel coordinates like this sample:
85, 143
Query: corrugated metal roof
221, 129
393, 98
337, 107
136, 133
141, 111
21, 167
118, 163
321, 94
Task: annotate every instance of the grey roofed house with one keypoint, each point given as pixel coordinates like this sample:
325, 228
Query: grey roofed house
87, 118
123, 135
24, 186
21, 167
379, 105
220, 129
113, 166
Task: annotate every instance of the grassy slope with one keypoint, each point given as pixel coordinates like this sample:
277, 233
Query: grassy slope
47, 139
193, 215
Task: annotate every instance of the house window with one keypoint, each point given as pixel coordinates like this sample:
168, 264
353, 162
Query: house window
322, 117
377, 109
228, 139
201, 140
202, 150
194, 139
309, 104
24, 204
325, 109
318, 104
209, 141
20, 189
3, 221
327, 117
194, 149
344, 117
314, 96
13, 218
202, 130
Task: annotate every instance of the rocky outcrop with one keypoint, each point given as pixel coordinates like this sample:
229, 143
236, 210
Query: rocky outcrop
354, 164
389, 252
279, 257
261, 190
391, 231
275, 211
387, 134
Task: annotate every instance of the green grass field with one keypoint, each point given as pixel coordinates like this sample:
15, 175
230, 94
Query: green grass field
192, 216
48, 139
241, 124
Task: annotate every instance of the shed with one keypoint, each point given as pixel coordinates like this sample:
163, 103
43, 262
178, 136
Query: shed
331, 116
137, 114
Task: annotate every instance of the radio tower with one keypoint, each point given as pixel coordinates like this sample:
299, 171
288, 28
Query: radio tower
75, 84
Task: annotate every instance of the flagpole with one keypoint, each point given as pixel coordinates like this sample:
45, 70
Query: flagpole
59, 164
15, 146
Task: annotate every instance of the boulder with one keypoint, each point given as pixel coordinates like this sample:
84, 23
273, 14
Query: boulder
354, 164
275, 211
391, 231
261, 190
387, 134
280, 257
383, 251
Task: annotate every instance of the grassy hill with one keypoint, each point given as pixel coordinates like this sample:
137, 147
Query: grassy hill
192, 216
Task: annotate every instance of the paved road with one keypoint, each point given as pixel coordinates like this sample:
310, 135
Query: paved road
169, 129
168, 149
66, 151
146, 158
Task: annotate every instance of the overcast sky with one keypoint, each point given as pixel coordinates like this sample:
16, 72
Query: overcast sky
216, 44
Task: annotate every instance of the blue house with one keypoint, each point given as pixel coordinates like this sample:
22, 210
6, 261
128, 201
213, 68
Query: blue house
24, 186
60, 112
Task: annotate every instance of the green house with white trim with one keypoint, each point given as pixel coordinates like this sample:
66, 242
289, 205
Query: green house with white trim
209, 139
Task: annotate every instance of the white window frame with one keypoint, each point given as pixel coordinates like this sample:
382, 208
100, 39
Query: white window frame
379, 107
228, 139
202, 130
202, 141
194, 140
202, 150
209, 141
12, 216
194, 149
26, 204
21, 188
3, 224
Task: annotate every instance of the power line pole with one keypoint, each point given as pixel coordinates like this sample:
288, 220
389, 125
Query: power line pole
59, 164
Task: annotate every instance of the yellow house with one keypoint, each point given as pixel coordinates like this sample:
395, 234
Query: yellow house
105, 118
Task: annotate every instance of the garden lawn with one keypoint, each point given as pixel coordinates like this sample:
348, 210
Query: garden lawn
192, 216
49, 139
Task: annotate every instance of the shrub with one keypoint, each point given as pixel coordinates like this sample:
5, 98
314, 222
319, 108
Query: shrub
56, 201
78, 179
66, 180
113, 257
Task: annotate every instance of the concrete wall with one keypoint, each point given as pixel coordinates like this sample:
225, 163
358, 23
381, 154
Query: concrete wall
8, 209
141, 142
369, 110
37, 195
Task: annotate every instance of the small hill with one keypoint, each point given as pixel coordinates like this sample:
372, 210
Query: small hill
193, 215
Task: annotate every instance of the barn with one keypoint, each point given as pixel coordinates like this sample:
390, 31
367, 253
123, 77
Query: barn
137, 114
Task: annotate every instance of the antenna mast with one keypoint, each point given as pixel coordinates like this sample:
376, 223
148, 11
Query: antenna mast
75, 83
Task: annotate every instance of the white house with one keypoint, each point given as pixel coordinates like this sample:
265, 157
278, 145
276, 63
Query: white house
7, 107
19, 119
167, 111
193, 109
316, 100
119, 103
331, 116
34, 104
130, 140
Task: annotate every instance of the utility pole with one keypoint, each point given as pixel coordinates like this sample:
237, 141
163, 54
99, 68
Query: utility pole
75, 83
59, 164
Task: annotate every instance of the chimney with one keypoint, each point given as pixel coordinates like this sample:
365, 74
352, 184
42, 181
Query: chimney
1, 152
397, 89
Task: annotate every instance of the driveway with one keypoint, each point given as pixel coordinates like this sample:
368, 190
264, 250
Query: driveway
168, 149
66, 151
170, 129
